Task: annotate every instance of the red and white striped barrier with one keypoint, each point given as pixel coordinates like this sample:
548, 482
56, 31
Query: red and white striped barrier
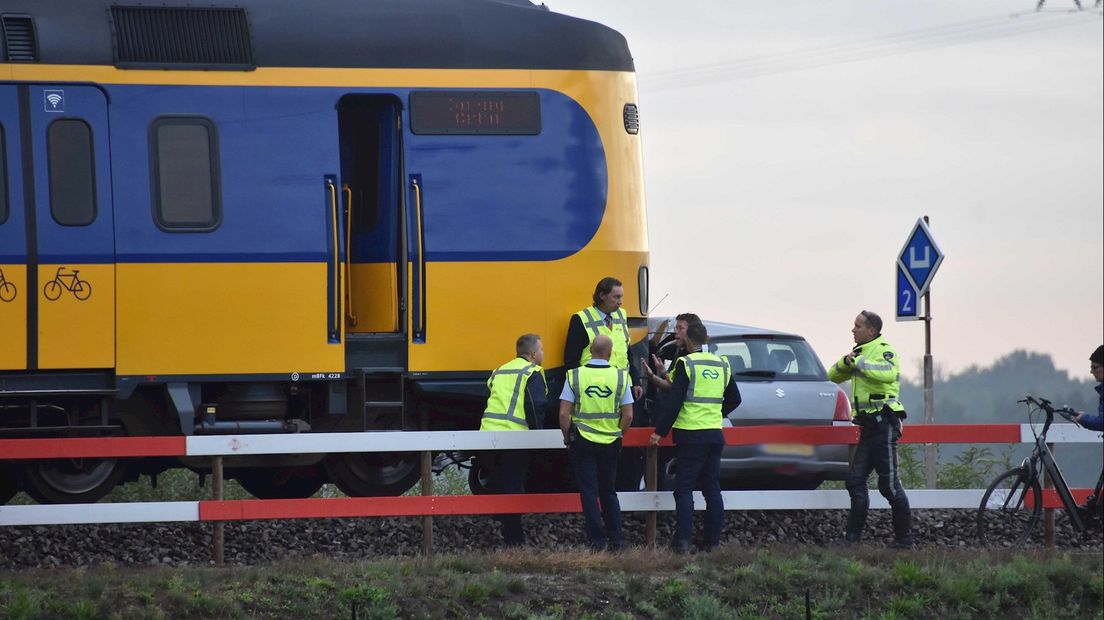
232, 445
437, 441
409, 506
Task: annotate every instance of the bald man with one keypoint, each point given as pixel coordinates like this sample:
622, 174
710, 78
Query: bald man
595, 409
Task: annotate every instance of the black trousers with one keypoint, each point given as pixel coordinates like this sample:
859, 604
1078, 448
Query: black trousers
698, 466
508, 469
877, 451
595, 467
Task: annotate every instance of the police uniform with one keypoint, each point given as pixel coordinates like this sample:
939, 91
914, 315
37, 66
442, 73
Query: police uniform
516, 403
876, 408
702, 393
598, 391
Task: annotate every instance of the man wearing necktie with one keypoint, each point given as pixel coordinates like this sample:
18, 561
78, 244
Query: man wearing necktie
603, 318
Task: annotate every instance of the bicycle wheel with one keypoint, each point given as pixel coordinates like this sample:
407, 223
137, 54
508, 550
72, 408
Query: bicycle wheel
52, 290
7, 291
1010, 509
82, 290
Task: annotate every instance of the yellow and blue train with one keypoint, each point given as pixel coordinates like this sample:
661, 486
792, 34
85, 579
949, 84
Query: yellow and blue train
285, 216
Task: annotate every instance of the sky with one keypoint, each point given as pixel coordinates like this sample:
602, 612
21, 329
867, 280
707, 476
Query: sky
790, 147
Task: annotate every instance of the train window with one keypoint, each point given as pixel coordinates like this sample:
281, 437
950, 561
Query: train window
480, 112
72, 172
3, 178
184, 173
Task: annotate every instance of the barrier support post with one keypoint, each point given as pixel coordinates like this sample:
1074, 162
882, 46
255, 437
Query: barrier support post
427, 490
650, 470
216, 491
1048, 513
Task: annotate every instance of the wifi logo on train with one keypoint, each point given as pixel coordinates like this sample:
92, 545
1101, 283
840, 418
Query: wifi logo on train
54, 100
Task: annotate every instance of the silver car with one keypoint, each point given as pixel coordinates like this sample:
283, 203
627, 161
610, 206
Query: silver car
781, 381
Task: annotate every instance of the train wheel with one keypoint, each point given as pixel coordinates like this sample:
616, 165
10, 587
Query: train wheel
282, 482
71, 481
9, 486
374, 474
479, 478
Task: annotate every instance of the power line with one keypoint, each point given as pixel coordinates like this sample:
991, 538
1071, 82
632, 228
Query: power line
958, 33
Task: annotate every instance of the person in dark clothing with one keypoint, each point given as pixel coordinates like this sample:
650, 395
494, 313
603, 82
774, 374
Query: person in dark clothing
664, 349
1096, 367
507, 384
873, 368
1093, 508
595, 409
702, 393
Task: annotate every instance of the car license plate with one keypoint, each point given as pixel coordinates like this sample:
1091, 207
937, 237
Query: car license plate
788, 449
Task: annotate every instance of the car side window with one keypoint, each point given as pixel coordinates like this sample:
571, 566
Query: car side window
737, 354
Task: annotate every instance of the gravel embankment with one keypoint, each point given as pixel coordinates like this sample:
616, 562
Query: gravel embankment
260, 542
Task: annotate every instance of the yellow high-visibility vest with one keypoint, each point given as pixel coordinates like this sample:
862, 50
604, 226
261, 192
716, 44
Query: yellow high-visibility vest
598, 393
506, 405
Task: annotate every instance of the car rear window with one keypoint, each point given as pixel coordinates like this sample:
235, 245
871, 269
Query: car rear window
770, 359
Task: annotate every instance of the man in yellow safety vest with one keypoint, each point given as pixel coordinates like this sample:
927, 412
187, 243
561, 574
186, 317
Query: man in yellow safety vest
702, 393
604, 318
516, 403
874, 371
595, 409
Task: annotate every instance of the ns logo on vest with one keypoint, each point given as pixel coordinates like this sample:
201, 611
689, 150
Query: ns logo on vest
598, 391
709, 373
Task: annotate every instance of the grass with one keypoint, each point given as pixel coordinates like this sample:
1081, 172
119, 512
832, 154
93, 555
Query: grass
730, 583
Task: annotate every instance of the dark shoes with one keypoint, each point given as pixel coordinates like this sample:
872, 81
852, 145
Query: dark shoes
906, 544
680, 548
847, 541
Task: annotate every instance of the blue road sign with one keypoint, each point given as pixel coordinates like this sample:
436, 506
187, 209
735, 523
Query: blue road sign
908, 302
920, 258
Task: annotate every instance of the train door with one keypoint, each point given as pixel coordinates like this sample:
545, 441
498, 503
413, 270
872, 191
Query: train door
71, 258
370, 183
13, 237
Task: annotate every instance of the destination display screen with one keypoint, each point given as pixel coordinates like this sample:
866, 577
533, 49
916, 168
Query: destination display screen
475, 112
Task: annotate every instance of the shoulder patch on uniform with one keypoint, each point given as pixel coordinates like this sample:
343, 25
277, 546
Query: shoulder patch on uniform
888, 355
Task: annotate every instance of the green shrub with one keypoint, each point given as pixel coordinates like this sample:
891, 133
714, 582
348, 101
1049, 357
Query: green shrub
671, 594
475, 592
705, 607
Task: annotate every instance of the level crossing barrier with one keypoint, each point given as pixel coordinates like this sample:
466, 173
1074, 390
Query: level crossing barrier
651, 501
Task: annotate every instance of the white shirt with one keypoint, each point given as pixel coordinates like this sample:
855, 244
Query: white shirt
569, 395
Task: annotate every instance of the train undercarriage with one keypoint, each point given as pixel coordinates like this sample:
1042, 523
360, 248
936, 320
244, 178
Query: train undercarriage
372, 400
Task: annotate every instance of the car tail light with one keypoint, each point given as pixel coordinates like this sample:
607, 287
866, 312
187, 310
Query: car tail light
843, 408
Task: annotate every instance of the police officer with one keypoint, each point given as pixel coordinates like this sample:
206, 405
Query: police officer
517, 401
701, 394
604, 318
874, 371
595, 409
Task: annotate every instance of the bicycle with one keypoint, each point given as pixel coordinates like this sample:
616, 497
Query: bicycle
7, 289
81, 289
1014, 500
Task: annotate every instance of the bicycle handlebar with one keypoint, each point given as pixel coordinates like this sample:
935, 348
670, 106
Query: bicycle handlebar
1044, 404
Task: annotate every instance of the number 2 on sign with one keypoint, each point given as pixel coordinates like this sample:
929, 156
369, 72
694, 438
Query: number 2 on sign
907, 306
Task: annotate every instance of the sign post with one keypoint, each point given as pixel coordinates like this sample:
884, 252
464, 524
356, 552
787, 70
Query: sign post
916, 266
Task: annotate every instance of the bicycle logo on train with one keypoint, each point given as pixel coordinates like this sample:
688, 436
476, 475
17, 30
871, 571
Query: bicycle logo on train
81, 289
7, 289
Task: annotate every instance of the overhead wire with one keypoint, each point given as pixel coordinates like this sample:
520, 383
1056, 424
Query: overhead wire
867, 49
